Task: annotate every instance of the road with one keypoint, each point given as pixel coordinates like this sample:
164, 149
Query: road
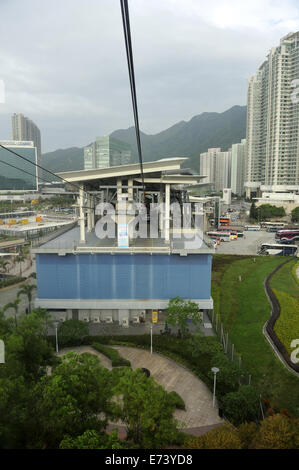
248, 245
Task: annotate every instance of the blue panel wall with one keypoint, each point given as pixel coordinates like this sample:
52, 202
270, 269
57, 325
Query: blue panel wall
105, 276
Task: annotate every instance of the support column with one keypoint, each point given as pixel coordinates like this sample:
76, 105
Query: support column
92, 213
130, 190
89, 222
167, 211
161, 212
82, 217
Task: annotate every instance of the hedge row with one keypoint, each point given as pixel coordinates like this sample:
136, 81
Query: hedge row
287, 326
10, 282
170, 346
273, 319
112, 354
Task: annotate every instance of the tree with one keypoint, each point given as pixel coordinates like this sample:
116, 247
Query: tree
15, 306
179, 311
222, 437
248, 434
295, 214
28, 353
278, 432
72, 331
241, 406
3, 265
253, 211
27, 289
145, 408
6, 325
73, 399
19, 259
92, 439
228, 375
267, 211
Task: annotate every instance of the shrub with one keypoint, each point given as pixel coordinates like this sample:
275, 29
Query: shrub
112, 354
72, 332
228, 375
10, 282
221, 437
241, 406
278, 432
177, 400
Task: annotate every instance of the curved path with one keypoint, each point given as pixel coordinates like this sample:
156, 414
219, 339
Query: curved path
200, 415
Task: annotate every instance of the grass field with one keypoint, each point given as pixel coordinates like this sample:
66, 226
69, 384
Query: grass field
286, 289
244, 309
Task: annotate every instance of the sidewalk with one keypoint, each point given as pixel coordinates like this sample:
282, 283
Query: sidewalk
199, 417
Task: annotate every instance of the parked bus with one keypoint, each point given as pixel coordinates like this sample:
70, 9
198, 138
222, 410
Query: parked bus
222, 236
232, 231
278, 249
273, 226
287, 235
252, 227
224, 221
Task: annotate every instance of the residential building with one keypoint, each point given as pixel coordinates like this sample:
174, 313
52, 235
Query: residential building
23, 129
238, 167
215, 165
273, 120
105, 152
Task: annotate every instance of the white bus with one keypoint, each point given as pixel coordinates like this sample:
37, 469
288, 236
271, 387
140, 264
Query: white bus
252, 227
222, 236
278, 249
273, 226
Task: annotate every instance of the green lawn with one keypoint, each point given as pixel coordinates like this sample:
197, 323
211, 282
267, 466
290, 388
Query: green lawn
244, 309
286, 289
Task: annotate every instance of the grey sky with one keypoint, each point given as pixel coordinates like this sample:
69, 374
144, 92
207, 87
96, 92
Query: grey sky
64, 66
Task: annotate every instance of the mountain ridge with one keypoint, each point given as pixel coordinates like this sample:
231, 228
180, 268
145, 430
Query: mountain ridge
184, 138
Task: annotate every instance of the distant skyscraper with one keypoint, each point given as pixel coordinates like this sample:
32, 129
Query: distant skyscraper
216, 166
238, 167
23, 129
273, 120
105, 152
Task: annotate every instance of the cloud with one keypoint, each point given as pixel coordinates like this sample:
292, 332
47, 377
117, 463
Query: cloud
64, 64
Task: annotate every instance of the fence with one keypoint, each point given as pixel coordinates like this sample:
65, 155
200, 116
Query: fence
229, 347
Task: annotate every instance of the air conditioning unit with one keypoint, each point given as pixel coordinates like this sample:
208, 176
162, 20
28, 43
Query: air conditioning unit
125, 322
86, 319
136, 319
96, 320
108, 320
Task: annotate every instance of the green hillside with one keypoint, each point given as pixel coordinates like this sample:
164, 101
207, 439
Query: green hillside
184, 139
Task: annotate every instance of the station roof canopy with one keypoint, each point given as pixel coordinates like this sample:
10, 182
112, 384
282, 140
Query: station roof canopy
167, 170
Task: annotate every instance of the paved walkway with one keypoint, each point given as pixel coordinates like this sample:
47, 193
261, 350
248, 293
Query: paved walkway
199, 416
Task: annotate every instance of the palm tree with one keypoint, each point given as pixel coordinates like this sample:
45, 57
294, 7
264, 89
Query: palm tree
19, 259
27, 289
15, 305
4, 265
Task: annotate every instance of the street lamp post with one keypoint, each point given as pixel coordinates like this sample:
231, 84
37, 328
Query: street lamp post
56, 335
215, 370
